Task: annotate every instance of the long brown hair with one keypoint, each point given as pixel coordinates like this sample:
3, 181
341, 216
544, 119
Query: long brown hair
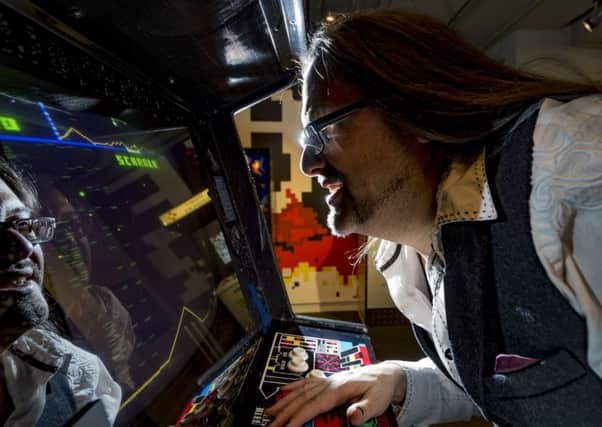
20, 183
425, 76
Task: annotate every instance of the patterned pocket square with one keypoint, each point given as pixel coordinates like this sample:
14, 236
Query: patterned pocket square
508, 363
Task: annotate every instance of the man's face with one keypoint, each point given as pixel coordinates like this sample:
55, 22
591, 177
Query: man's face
22, 304
367, 166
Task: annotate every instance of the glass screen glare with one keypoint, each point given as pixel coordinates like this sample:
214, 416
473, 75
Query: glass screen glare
138, 267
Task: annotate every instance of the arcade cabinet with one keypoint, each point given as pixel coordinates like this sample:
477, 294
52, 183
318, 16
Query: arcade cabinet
122, 111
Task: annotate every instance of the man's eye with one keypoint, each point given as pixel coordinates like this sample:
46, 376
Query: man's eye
336, 129
24, 227
328, 132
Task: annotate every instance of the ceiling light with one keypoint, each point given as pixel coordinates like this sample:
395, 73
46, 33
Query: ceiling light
595, 18
330, 18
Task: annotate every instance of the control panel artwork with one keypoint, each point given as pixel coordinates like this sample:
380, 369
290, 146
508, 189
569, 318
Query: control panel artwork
238, 397
212, 406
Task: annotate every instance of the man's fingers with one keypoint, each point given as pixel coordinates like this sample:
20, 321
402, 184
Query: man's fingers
323, 402
284, 414
294, 385
299, 383
369, 406
314, 396
357, 414
295, 401
312, 409
303, 387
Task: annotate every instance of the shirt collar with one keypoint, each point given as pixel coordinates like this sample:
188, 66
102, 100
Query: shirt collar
464, 193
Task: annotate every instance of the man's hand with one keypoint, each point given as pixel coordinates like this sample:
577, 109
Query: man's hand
370, 389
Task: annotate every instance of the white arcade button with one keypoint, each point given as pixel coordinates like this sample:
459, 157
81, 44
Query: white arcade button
298, 352
297, 365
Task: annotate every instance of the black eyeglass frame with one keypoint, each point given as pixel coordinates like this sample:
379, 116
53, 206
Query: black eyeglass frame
31, 224
313, 131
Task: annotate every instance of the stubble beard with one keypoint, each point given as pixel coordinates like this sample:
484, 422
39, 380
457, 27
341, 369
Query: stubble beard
342, 224
21, 312
362, 210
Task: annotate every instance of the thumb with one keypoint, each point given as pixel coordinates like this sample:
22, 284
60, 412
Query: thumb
358, 413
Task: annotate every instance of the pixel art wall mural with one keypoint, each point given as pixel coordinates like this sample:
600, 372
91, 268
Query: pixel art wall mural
314, 264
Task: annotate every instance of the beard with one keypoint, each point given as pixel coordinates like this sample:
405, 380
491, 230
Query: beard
20, 312
343, 221
356, 211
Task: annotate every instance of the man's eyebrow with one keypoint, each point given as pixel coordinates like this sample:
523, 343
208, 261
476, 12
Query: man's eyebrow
17, 210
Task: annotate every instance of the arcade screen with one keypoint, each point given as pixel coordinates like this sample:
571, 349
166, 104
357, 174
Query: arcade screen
139, 272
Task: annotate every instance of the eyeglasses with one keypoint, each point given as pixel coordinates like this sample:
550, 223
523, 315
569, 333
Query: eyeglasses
313, 135
36, 230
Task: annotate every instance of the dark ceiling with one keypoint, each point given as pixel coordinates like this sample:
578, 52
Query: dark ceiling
483, 22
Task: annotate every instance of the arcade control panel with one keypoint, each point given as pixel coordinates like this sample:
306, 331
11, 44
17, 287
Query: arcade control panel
253, 381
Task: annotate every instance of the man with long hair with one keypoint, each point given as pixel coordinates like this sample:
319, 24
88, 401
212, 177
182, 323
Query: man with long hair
484, 185
44, 379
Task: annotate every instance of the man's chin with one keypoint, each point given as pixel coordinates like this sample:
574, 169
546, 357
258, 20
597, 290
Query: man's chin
341, 224
20, 312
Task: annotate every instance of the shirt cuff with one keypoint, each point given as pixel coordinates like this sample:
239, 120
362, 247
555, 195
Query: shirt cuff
431, 397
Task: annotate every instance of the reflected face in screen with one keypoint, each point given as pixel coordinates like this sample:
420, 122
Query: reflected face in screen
22, 305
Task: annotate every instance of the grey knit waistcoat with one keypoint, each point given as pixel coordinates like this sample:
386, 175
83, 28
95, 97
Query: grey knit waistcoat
499, 299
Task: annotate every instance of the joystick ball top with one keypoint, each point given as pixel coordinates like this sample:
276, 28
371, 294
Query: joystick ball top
298, 352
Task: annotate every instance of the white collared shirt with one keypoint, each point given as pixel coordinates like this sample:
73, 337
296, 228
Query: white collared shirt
566, 221
87, 376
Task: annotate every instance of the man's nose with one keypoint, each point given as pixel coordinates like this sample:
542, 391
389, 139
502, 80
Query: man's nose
311, 163
15, 246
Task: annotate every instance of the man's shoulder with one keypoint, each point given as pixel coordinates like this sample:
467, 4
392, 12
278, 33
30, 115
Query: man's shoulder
590, 104
576, 120
567, 143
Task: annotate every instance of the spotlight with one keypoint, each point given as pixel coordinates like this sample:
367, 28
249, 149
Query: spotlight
330, 18
595, 18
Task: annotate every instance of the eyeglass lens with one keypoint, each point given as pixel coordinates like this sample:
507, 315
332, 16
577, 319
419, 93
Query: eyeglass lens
36, 230
313, 140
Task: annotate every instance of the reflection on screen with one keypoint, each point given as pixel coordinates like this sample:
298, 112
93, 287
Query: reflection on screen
139, 269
